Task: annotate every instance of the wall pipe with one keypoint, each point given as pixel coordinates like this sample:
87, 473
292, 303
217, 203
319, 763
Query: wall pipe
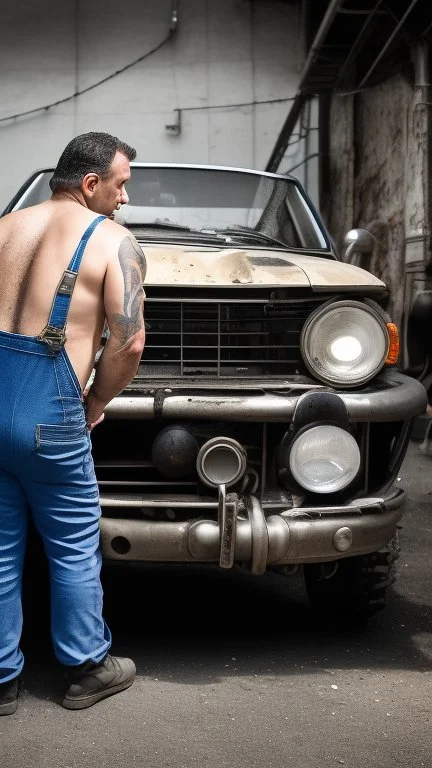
301, 97
387, 44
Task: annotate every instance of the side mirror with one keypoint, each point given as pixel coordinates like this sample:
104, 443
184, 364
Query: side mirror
358, 243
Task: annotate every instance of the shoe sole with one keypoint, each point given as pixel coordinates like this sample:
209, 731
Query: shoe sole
88, 701
9, 708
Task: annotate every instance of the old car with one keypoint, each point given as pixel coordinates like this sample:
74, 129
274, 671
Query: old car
268, 420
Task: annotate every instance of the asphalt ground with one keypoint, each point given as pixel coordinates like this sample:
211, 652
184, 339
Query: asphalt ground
236, 671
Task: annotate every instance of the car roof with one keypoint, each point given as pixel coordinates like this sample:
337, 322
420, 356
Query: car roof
196, 166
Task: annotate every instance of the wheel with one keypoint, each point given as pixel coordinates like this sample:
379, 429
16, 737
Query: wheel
353, 589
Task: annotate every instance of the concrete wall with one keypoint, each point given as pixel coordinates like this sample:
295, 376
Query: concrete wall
377, 181
224, 52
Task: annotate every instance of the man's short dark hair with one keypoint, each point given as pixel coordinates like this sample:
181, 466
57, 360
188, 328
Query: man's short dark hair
89, 153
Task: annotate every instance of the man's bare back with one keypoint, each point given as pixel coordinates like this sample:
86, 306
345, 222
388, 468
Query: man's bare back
36, 246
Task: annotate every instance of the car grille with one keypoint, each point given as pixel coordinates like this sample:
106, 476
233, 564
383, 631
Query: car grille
124, 467
224, 338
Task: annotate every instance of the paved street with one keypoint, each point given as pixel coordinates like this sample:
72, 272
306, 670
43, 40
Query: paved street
233, 671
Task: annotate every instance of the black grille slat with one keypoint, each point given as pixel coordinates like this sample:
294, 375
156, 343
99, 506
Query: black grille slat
210, 338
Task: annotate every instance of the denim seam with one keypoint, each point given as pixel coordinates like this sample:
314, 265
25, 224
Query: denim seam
88, 465
18, 392
26, 351
68, 366
59, 390
66, 380
79, 433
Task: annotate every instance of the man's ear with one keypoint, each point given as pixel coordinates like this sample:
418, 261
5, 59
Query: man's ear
89, 184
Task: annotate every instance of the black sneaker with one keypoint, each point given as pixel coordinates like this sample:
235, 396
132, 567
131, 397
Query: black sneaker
9, 697
93, 682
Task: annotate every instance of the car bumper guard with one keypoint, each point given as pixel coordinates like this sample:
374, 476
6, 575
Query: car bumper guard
398, 397
244, 534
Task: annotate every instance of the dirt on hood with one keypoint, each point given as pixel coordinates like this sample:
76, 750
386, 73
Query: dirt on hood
189, 265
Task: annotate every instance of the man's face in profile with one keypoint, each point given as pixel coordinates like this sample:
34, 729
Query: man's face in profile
110, 192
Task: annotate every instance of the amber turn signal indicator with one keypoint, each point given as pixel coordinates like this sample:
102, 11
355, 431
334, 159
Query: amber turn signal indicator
393, 353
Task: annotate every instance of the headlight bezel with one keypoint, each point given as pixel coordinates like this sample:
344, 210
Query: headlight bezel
372, 310
309, 432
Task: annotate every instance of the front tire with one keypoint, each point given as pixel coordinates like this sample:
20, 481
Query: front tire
353, 589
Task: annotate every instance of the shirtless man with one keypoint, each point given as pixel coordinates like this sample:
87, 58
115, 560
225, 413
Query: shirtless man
46, 467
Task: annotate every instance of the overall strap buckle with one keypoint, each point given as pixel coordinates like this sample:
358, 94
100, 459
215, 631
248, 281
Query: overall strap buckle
54, 337
67, 283
54, 333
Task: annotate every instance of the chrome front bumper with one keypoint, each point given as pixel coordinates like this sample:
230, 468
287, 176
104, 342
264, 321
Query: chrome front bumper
397, 398
296, 535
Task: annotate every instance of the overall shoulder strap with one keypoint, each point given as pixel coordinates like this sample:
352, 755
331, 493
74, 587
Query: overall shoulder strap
54, 333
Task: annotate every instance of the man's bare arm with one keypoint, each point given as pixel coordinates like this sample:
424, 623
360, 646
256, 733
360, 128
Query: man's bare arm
132, 263
123, 298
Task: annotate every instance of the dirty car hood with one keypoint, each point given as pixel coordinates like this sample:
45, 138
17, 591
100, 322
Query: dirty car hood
191, 265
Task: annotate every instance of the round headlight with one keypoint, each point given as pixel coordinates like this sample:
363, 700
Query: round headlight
345, 343
324, 459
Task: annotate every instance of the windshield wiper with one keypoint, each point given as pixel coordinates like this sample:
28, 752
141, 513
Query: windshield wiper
252, 234
141, 231
161, 225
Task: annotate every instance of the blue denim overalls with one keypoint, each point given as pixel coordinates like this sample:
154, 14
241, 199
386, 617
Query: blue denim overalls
46, 467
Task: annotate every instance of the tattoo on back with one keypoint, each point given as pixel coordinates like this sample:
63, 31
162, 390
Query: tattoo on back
133, 266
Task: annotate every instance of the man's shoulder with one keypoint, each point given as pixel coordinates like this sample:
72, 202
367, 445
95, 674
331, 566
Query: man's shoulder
117, 238
116, 233
115, 230
11, 222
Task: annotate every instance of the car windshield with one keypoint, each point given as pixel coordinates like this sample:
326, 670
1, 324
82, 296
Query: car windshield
179, 202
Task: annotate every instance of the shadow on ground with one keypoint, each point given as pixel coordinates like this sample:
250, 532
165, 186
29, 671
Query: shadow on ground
195, 625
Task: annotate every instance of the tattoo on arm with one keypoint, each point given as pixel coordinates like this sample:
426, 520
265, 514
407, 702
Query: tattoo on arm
133, 266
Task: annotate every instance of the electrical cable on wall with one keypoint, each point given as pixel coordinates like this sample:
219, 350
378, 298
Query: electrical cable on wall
175, 127
182, 109
95, 85
306, 160
243, 104
172, 30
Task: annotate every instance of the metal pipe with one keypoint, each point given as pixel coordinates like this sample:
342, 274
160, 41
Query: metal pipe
295, 539
391, 500
320, 36
260, 539
227, 521
422, 65
300, 97
174, 15
287, 129
387, 44
402, 398
305, 160
357, 43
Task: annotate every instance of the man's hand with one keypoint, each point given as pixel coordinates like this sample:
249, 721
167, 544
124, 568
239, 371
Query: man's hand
91, 425
93, 411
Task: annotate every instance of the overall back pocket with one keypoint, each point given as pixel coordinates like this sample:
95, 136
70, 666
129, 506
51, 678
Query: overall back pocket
63, 455
55, 434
